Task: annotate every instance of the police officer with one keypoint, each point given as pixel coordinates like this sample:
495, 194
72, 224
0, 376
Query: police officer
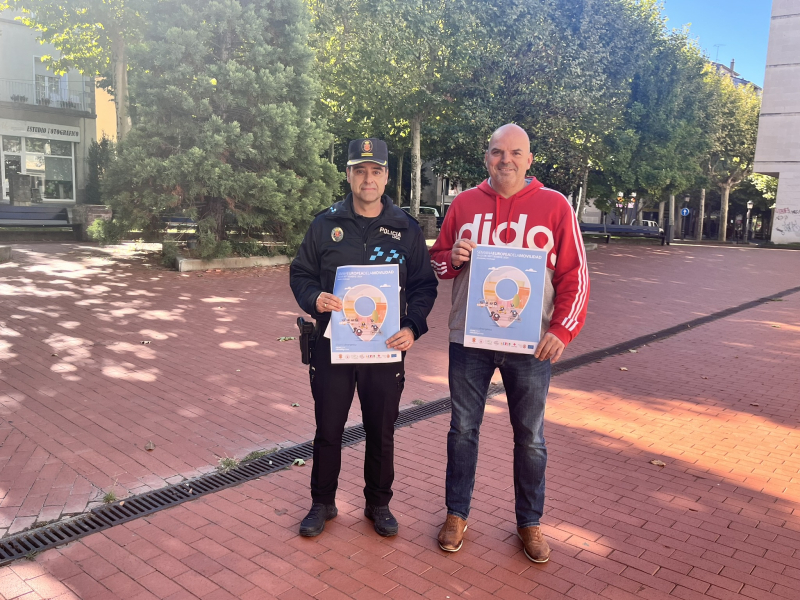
353, 232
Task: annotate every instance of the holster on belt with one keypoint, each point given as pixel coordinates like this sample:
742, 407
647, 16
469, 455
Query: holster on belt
307, 339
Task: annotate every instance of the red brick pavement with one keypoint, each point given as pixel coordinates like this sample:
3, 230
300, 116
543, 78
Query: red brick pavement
717, 404
80, 395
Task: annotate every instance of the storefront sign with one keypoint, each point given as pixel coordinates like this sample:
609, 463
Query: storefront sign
47, 131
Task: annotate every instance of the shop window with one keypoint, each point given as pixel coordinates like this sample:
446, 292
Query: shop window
48, 162
12, 144
58, 178
59, 148
35, 145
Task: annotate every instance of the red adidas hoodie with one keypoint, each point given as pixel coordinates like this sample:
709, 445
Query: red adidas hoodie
535, 217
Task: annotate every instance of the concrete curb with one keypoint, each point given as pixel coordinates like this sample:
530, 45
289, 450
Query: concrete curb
236, 262
5, 254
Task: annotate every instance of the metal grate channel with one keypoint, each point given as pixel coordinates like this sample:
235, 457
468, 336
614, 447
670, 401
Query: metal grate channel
49, 536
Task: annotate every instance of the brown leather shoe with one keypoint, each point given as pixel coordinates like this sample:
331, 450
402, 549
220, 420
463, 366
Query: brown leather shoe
534, 544
451, 537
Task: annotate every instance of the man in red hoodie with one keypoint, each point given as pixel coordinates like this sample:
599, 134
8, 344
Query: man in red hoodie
508, 209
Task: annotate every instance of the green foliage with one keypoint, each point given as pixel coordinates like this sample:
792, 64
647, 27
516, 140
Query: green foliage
83, 32
249, 248
227, 463
99, 155
169, 253
258, 454
735, 111
209, 246
107, 232
766, 185
224, 98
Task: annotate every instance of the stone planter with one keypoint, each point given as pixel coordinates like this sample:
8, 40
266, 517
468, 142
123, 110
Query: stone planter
235, 262
83, 215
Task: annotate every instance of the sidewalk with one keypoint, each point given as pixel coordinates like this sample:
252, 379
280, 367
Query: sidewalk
81, 395
717, 404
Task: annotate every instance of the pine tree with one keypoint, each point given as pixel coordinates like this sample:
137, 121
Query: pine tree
223, 96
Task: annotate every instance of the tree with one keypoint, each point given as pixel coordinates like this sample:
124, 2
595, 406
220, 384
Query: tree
224, 97
666, 131
93, 36
735, 111
390, 65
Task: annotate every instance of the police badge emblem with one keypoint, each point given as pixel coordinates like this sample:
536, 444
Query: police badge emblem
337, 234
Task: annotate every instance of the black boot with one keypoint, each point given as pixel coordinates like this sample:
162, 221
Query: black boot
385, 523
314, 522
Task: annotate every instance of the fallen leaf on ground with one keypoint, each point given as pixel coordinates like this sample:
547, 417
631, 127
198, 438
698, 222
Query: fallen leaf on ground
298, 462
633, 351
658, 463
280, 511
295, 404
754, 404
286, 339
777, 326
145, 341
703, 376
623, 368
150, 446
54, 355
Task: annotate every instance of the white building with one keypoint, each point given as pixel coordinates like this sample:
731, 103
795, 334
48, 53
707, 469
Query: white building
47, 121
778, 147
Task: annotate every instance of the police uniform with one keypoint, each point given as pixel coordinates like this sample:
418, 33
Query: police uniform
339, 236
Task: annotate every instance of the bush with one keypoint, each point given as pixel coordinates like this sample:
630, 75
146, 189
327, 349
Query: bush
208, 246
106, 232
248, 248
169, 254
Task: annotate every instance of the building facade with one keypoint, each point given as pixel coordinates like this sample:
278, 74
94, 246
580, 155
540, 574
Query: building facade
47, 121
778, 146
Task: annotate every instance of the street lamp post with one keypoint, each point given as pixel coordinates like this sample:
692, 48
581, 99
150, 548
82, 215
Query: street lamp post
747, 224
684, 220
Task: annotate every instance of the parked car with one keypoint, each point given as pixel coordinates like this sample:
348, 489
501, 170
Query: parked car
427, 210
647, 223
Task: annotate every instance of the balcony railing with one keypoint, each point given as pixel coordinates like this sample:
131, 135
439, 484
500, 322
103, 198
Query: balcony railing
69, 97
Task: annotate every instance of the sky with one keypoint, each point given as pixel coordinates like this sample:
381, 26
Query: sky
741, 25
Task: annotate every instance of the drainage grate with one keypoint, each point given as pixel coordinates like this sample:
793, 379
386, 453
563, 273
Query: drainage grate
32, 542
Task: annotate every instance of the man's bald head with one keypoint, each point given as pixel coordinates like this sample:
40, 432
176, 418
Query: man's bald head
511, 129
508, 159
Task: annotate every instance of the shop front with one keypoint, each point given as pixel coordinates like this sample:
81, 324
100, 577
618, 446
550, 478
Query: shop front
43, 151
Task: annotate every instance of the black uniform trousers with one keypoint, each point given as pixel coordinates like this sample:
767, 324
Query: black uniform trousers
379, 388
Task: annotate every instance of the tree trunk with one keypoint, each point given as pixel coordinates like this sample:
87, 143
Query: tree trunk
333, 146
671, 217
661, 214
582, 196
416, 166
701, 215
120, 66
723, 212
400, 156
215, 209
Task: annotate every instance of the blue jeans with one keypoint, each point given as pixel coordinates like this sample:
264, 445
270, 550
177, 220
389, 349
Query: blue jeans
526, 381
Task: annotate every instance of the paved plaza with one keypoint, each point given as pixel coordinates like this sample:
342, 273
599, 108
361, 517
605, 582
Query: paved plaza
81, 395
